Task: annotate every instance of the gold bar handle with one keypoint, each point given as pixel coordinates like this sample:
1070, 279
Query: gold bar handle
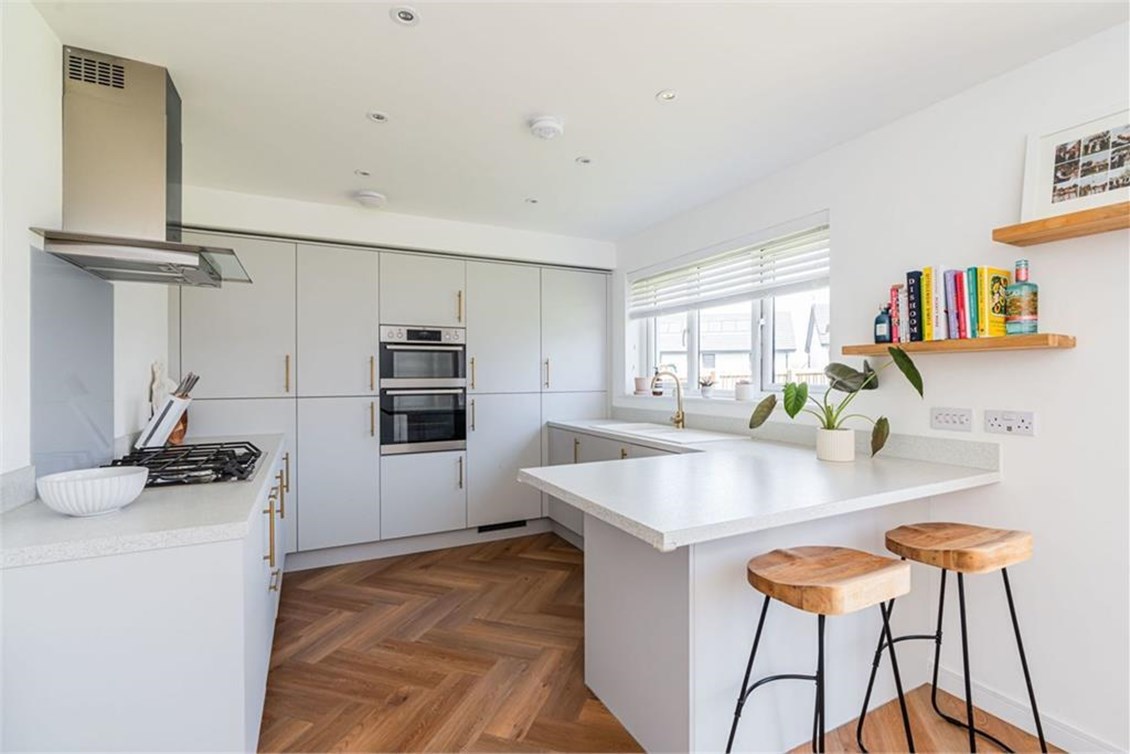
276, 577
472, 414
460, 472
547, 372
576, 450
459, 306
372, 418
372, 373
286, 464
270, 512
286, 374
623, 453
282, 493
472, 372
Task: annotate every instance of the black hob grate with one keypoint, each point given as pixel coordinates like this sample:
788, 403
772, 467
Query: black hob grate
195, 464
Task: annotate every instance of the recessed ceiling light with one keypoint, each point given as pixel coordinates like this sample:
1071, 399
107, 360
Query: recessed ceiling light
362, 173
582, 160
370, 199
546, 126
666, 95
377, 116
403, 14
531, 200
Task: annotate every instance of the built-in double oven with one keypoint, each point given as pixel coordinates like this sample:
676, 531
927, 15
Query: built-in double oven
423, 389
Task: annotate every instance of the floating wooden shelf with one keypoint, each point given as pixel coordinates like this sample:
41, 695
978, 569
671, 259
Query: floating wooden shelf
1072, 225
1006, 343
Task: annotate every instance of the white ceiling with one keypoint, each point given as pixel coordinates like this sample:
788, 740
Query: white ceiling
275, 95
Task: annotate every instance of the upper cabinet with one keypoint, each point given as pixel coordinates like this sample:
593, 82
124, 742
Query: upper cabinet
503, 328
574, 330
338, 324
240, 338
423, 290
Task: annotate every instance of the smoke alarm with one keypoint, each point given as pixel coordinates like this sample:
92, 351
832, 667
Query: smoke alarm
547, 127
370, 199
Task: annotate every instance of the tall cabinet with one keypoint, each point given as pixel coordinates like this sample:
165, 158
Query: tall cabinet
574, 330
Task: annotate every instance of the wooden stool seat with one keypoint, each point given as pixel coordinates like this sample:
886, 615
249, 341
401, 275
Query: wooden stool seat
828, 580
960, 547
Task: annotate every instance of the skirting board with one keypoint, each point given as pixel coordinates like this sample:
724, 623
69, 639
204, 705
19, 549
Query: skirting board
1066, 737
302, 561
569, 536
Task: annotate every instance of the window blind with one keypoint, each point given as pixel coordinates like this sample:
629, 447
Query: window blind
792, 263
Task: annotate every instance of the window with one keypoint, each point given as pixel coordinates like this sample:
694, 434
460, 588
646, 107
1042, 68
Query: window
756, 313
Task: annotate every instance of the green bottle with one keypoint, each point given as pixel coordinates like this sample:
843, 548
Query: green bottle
1023, 300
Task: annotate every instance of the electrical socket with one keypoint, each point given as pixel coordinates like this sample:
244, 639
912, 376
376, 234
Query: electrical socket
1010, 422
952, 419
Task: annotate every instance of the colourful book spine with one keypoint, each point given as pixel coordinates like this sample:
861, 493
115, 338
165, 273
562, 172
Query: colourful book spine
971, 297
904, 316
950, 280
938, 300
928, 303
992, 284
896, 323
962, 304
914, 304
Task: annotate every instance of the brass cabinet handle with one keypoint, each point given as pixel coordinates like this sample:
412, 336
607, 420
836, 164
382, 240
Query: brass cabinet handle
472, 372
576, 450
623, 453
372, 373
270, 512
547, 372
276, 577
372, 418
460, 472
282, 493
459, 306
286, 464
286, 374
472, 414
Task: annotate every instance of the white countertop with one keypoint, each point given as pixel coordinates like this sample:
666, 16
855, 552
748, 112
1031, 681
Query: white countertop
718, 489
161, 517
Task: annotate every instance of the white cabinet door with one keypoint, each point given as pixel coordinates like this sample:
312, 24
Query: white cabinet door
592, 449
339, 464
423, 493
259, 622
504, 436
422, 290
503, 328
240, 338
642, 451
241, 418
338, 323
574, 330
566, 407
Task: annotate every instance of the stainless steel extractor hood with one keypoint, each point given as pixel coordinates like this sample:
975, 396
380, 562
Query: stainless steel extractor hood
122, 178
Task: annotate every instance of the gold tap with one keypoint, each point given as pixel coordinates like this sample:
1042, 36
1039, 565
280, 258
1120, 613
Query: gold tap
680, 417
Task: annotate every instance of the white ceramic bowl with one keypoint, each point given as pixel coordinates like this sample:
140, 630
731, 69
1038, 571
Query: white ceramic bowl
92, 492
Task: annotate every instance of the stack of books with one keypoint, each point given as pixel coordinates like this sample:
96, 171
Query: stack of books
940, 304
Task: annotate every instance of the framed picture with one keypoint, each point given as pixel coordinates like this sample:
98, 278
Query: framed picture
1076, 168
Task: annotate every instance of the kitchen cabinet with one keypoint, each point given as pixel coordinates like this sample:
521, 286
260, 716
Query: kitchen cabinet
503, 328
265, 416
339, 468
504, 435
423, 493
422, 290
338, 321
240, 338
566, 407
574, 330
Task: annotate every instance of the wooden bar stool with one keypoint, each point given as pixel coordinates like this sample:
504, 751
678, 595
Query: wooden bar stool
965, 549
825, 581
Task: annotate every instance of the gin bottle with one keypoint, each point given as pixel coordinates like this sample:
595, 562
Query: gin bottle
1022, 297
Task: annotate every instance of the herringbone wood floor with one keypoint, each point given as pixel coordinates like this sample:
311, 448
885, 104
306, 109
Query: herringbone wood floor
477, 648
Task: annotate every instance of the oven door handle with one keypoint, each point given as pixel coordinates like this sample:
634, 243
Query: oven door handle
392, 347
453, 391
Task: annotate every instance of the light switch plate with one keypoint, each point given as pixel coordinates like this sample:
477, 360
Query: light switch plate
1010, 422
951, 419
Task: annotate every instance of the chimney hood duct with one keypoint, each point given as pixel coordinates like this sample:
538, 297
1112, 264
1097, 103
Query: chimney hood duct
122, 178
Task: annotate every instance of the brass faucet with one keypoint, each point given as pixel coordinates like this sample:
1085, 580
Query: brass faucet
680, 417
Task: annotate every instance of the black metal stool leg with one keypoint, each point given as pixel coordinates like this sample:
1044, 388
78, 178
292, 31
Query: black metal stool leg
965, 663
820, 683
870, 687
1024, 660
745, 680
886, 611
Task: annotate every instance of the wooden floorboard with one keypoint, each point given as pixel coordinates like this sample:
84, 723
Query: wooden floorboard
477, 648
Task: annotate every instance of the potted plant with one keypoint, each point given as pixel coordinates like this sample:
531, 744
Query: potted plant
835, 442
706, 385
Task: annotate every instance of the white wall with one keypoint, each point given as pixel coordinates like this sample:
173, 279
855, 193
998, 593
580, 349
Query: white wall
30, 194
265, 214
928, 189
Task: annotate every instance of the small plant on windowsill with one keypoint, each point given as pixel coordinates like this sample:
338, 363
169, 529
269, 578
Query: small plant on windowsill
834, 441
706, 385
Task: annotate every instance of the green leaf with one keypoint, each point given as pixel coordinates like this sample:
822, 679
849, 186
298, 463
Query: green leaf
906, 366
796, 395
843, 378
879, 434
762, 412
870, 377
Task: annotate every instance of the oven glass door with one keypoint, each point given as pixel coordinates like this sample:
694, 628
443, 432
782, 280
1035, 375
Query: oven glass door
426, 419
404, 364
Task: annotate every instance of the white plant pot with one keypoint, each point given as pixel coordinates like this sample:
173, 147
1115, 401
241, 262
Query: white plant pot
707, 391
743, 391
835, 445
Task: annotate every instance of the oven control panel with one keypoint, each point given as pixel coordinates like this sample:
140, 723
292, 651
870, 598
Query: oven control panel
421, 335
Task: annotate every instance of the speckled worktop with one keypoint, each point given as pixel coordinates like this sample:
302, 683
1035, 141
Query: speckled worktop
161, 517
725, 487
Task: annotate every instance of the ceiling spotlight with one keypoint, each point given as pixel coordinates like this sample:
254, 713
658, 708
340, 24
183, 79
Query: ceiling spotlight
546, 126
582, 160
666, 95
370, 199
403, 14
531, 200
362, 173
377, 116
